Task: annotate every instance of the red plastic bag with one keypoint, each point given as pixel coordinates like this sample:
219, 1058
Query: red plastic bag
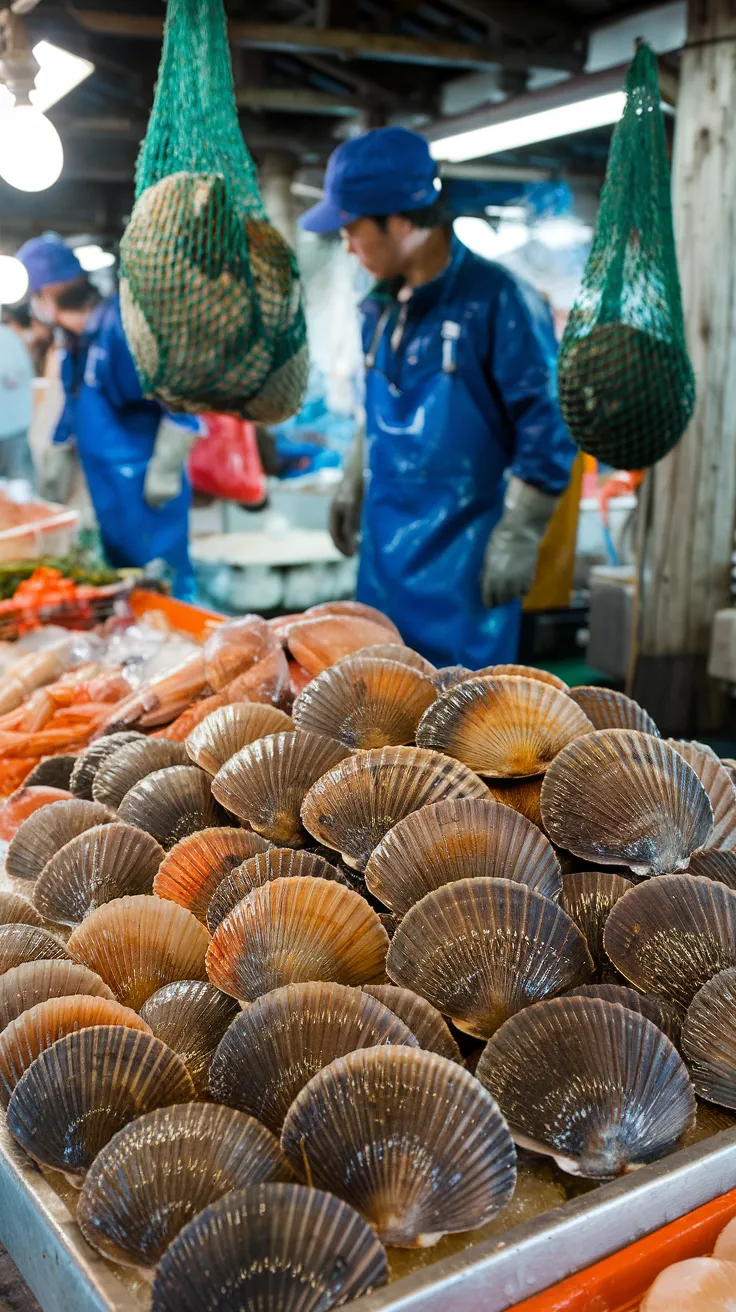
225, 462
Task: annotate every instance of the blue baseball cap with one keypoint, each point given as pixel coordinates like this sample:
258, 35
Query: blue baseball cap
47, 260
385, 171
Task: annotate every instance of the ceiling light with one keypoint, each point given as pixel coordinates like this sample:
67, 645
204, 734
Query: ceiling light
59, 72
31, 153
93, 258
526, 130
562, 234
490, 243
13, 280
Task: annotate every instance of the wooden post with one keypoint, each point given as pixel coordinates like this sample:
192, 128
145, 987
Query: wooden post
689, 498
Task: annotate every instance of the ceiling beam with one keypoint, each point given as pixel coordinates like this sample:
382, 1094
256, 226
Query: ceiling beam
532, 21
297, 100
342, 72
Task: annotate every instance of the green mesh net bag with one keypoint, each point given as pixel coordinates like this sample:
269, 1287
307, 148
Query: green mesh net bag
209, 291
625, 380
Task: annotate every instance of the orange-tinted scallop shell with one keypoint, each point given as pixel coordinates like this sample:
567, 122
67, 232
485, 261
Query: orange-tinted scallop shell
227, 730
523, 672
365, 702
278, 863
26, 985
608, 709
192, 870
394, 651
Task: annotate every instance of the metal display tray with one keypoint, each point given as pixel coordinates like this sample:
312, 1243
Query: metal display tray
66, 1275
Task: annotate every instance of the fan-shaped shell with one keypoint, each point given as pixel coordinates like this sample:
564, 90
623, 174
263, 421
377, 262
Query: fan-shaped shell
450, 675
192, 870
410, 1139
424, 1020
276, 1045
138, 944
460, 839
48, 829
394, 651
502, 726
170, 803
36, 1029
608, 709
711, 864
190, 1016
352, 806
588, 896
272, 1247
670, 936
79, 1092
523, 672
24, 986
21, 942
665, 1015
481, 949
709, 1039
264, 784
279, 863
17, 910
231, 728
133, 762
52, 772
618, 797
365, 702
105, 862
293, 930
598, 1087
91, 758
522, 795
160, 1171
720, 788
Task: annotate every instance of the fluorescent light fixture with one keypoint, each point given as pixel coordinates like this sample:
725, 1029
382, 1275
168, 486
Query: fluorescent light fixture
562, 233
13, 280
93, 258
59, 73
491, 243
512, 133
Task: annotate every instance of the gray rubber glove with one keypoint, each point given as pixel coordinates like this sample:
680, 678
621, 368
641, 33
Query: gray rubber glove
165, 469
347, 502
511, 555
57, 472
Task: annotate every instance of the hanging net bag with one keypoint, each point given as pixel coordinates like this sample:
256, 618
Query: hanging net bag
209, 291
625, 380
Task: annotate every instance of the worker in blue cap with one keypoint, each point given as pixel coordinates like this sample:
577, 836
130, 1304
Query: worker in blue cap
465, 453
132, 451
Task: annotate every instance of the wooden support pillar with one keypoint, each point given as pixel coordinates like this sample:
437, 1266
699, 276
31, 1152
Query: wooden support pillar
690, 497
275, 176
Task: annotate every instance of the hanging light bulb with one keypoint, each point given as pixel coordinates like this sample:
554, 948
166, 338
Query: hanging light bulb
13, 280
31, 153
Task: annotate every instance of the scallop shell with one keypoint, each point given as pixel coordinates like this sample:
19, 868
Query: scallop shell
410, 1139
523, 672
292, 930
325, 640
622, 798
424, 1021
170, 803
598, 1087
192, 870
710, 864
460, 839
79, 1092
671, 935
276, 1045
522, 795
365, 702
17, 910
502, 726
588, 896
48, 829
91, 758
190, 1017
272, 1247
394, 651
133, 762
450, 676
24, 986
231, 728
356, 610
105, 862
264, 784
279, 863
354, 805
607, 709
720, 788
36, 1029
138, 944
21, 942
481, 949
160, 1171
709, 1039
665, 1015
52, 772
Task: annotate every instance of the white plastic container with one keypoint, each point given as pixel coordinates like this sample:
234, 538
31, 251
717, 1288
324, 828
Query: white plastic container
37, 528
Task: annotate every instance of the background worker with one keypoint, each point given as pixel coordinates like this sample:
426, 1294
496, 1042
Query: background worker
16, 396
465, 453
132, 451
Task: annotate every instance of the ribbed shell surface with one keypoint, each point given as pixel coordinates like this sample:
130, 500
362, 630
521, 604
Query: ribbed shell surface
91, 758
20, 943
48, 829
424, 1020
365, 702
190, 1016
711, 864
103, 863
588, 896
709, 1039
171, 803
608, 709
132, 762
393, 651
720, 788
278, 863
227, 730
33, 982
17, 910
664, 1014
192, 870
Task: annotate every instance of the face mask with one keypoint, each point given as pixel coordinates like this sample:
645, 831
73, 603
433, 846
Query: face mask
40, 311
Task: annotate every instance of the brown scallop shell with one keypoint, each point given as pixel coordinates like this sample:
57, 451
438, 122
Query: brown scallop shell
133, 762
17, 910
231, 728
171, 803
325, 640
394, 651
160, 1171
665, 1015
669, 936
356, 610
523, 672
460, 839
709, 1039
48, 829
192, 870
720, 788
424, 1020
190, 1016
711, 864
52, 772
623, 798
365, 702
293, 930
522, 795
608, 709
277, 1247
20, 943
502, 726
138, 944
482, 949
409, 1139
36, 1029
264, 784
353, 805
278, 863
103, 863
91, 758
79, 1092
598, 1087
588, 896
274, 1047
24, 986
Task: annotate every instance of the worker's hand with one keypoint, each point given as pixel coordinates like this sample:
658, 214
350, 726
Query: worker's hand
511, 555
57, 472
165, 470
347, 503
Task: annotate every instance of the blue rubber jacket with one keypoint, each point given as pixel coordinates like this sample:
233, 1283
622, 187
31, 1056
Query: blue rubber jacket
460, 391
115, 430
